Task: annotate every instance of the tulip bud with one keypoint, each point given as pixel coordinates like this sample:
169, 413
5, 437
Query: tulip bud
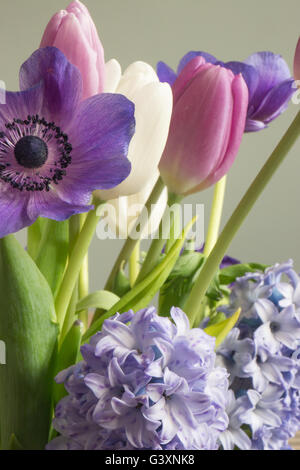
153, 108
207, 125
297, 62
74, 33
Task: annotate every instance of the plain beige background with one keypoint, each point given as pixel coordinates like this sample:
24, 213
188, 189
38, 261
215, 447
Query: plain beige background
153, 30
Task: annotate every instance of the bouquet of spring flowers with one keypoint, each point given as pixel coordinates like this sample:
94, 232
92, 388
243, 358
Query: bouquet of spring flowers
84, 148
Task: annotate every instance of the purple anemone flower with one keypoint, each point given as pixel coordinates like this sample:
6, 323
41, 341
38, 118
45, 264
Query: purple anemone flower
268, 79
145, 382
55, 148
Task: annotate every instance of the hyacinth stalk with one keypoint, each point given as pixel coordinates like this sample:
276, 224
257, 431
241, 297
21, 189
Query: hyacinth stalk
256, 188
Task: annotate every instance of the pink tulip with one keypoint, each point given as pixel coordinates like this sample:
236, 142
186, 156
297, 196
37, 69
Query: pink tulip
297, 62
207, 126
74, 33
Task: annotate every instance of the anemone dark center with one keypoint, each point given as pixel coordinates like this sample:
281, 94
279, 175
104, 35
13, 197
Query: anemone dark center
31, 152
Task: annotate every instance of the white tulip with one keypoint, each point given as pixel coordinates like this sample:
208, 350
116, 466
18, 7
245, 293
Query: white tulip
153, 108
124, 212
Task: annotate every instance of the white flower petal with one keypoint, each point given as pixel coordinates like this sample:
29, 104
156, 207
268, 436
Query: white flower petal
113, 75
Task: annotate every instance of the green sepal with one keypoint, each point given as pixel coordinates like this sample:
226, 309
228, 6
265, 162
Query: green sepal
141, 294
102, 299
27, 327
221, 330
67, 356
53, 252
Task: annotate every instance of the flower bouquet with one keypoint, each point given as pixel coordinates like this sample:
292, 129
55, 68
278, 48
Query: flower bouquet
86, 148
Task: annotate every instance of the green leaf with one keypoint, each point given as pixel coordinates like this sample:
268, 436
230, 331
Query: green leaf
121, 283
67, 356
221, 330
144, 291
176, 289
14, 444
27, 326
100, 299
229, 274
53, 252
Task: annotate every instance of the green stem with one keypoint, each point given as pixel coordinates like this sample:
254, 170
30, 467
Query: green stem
134, 264
130, 242
158, 244
215, 216
175, 220
75, 263
213, 261
83, 282
34, 236
213, 229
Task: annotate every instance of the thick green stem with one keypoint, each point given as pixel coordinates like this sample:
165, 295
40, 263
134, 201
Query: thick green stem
130, 242
215, 216
75, 263
157, 244
213, 261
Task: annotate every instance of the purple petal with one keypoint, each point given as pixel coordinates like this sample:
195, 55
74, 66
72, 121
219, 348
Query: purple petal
63, 82
97, 384
100, 136
50, 206
191, 55
165, 73
13, 212
181, 321
254, 126
275, 102
20, 104
272, 70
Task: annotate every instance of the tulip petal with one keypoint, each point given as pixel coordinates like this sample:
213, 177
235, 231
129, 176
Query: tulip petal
249, 74
297, 62
113, 75
240, 105
191, 55
79, 52
192, 133
153, 108
188, 73
52, 29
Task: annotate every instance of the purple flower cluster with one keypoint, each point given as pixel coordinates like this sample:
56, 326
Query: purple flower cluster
145, 383
261, 355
